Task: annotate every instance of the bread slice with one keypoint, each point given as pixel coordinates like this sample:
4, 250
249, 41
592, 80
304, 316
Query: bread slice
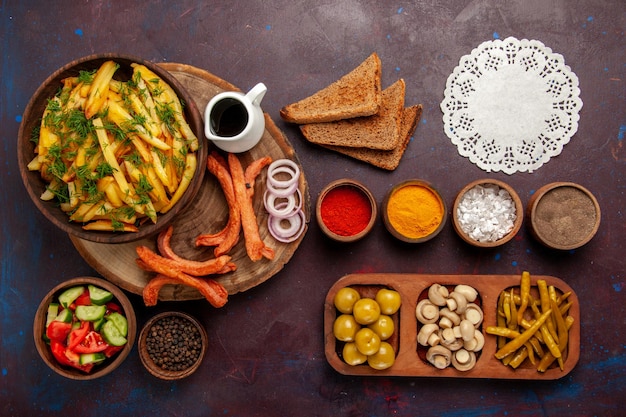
388, 160
356, 94
379, 131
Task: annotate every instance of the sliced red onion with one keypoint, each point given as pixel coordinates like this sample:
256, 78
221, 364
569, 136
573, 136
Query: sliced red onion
286, 235
283, 201
281, 192
286, 166
272, 207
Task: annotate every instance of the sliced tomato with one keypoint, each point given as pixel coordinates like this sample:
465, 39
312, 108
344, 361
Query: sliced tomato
91, 343
112, 350
58, 331
66, 357
78, 335
58, 351
113, 307
83, 299
74, 361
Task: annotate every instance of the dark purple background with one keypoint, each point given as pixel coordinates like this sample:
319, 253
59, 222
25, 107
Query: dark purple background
266, 354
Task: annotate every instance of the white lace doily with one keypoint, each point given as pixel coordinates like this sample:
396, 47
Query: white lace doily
511, 105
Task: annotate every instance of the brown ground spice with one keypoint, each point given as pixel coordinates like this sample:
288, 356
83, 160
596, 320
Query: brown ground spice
565, 216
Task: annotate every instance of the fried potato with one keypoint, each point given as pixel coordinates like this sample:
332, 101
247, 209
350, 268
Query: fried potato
107, 152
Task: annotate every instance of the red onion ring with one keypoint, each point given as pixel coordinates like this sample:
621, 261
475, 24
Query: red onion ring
282, 192
286, 166
283, 202
282, 208
296, 226
288, 207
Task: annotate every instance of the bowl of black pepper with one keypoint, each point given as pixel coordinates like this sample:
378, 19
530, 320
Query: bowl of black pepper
172, 345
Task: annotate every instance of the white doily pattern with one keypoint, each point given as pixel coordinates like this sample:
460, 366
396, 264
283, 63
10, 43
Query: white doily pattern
511, 105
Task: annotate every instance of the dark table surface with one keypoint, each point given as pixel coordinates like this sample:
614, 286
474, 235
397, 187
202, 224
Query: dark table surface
266, 354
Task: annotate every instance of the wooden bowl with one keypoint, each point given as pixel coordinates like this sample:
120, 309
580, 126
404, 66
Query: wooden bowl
150, 364
31, 120
39, 328
410, 358
563, 215
338, 235
436, 198
519, 210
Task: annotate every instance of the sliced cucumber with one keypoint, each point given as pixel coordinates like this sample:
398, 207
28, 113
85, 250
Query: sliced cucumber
120, 322
90, 313
65, 316
68, 296
112, 335
53, 312
99, 296
87, 358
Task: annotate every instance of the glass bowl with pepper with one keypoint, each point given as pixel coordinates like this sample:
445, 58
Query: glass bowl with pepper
172, 345
346, 210
413, 211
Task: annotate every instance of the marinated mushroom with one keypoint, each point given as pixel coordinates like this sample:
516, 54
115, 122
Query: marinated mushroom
426, 312
451, 322
474, 314
457, 302
451, 318
463, 360
448, 340
438, 294
467, 291
439, 356
428, 336
467, 330
477, 343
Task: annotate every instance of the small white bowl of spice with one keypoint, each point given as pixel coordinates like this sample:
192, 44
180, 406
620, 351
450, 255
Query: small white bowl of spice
487, 213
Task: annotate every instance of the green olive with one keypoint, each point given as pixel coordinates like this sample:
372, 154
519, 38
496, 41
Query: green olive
366, 311
345, 328
384, 327
367, 341
345, 298
383, 358
388, 300
351, 354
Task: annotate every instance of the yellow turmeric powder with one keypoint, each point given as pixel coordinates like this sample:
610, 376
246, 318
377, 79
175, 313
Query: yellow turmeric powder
414, 211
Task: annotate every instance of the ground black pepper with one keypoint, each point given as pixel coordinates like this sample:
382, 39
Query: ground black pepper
565, 216
173, 343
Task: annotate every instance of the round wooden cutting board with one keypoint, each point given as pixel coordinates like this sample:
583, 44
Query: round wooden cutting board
207, 213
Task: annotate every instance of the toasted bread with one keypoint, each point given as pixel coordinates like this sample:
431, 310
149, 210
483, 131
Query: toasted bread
388, 160
379, 131
356, 94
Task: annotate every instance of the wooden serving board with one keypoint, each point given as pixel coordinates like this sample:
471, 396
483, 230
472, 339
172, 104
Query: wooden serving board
409, 362
207, 213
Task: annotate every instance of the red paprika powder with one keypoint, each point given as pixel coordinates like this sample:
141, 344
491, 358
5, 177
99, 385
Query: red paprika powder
346, 211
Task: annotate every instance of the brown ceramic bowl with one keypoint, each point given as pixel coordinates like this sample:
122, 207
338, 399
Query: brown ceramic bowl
519, 210
109, 364
434, 198
563, 215
32, 119
148, 361
327, 192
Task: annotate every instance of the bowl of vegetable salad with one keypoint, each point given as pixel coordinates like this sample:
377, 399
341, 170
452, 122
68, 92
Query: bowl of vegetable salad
84, 328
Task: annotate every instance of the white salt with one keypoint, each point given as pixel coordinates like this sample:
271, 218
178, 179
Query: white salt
486, 213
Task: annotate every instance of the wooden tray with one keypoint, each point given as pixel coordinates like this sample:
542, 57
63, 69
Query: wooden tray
208, 213
408, 361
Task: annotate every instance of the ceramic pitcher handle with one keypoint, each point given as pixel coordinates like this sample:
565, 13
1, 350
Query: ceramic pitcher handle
257, 93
